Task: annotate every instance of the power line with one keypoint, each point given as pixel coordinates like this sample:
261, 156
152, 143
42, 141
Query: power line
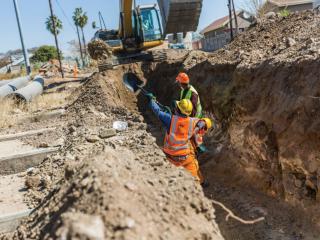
65, 15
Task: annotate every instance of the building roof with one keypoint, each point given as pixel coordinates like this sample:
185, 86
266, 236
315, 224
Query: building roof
283, 3
219, 23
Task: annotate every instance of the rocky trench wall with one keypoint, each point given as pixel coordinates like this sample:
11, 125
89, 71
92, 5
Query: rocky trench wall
270, 115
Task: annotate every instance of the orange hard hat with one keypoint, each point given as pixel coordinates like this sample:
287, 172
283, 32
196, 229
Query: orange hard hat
183, 78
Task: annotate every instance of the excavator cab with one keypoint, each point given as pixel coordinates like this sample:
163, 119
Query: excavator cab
146, 29
150, 24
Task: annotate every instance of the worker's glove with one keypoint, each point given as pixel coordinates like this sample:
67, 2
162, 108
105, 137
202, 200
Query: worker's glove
201, 149
167, 109
150, 96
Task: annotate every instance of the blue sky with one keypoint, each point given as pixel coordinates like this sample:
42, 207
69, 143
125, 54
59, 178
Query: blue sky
34, 13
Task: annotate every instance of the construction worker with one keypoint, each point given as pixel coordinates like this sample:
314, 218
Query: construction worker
199, 133
179, 131
190, 93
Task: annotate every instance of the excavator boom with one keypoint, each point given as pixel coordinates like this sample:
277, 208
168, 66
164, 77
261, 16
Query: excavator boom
125, 23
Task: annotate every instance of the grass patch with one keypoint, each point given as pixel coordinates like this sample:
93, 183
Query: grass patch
11, 113
7, 113
7, 76
47, 101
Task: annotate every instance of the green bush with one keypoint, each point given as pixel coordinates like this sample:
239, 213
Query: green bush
284, 13
44, 54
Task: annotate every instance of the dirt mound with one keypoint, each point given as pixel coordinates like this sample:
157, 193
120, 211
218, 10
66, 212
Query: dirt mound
99, 50
287, 39
116, 186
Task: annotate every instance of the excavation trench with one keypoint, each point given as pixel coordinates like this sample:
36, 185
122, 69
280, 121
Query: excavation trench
263, 160
242, 165
249, 163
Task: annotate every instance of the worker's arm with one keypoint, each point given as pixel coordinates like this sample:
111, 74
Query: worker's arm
197, 137
164, 117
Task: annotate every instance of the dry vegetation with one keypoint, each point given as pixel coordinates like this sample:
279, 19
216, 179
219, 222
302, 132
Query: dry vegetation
6, 113
9, 76
11, 112
48, 101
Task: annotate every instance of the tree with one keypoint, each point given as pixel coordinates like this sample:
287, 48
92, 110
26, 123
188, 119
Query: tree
44, 54
94, 25
81, 20
74, 48
49, 24
76, 16
256, 8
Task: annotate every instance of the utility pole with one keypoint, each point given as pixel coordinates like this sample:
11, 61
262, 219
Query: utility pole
81, 52
25, 52
230, 20
56, 38
235, 17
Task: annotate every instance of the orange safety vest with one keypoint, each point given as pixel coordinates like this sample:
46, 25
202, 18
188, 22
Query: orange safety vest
177, 140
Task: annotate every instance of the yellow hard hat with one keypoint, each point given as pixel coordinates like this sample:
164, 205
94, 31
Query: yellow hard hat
185, 106
208, 122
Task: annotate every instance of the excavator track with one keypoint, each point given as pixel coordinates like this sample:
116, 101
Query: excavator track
149, 56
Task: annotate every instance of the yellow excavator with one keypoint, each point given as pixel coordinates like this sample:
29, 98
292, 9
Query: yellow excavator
142, 28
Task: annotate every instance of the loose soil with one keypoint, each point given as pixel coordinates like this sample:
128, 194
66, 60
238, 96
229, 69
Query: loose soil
263, 160
119, 187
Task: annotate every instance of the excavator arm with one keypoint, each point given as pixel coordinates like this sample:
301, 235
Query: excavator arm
126, 27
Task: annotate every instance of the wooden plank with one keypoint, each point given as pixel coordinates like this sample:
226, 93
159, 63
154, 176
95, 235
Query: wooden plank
8, 223
8, 137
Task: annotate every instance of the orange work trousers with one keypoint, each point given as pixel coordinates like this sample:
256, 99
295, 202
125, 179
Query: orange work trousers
191, 165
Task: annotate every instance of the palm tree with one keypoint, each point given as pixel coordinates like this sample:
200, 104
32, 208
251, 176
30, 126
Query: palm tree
54, 25
76, 16
83, 21
58, 23
80, 19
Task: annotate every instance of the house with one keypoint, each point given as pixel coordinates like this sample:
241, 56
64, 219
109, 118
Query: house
290, 5
15, 65
217, 34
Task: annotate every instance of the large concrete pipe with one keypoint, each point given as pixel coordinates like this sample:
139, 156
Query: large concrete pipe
13, 85
34, 89
4, 82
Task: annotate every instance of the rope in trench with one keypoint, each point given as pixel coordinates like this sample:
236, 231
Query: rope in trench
232, 215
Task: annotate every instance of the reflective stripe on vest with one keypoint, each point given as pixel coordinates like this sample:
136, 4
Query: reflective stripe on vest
188, 96
177, 141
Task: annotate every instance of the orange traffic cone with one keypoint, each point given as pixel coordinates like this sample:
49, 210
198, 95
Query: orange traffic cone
75, 71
